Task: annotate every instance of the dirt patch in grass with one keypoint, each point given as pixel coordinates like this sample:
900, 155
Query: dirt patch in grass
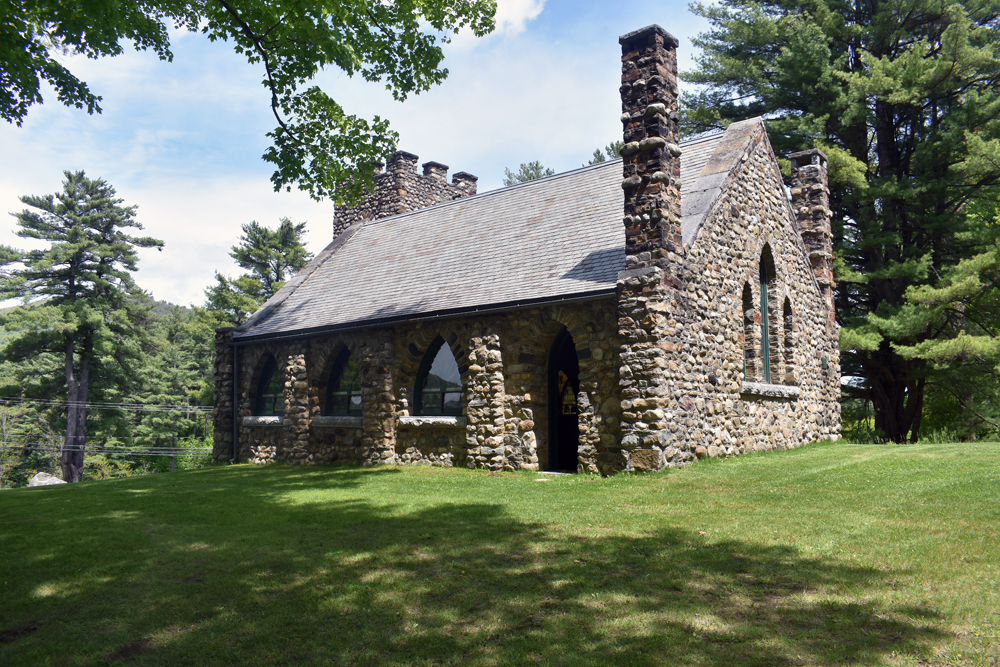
9, 635
137, 647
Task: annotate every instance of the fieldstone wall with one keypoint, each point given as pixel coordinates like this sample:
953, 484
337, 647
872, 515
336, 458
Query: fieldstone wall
375, 362
296, 419
503, 362
224, 412
400, 189
716, 410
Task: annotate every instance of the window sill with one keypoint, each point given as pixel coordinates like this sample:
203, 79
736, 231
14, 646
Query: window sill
772, 391
338, 421
263, 420
429, 421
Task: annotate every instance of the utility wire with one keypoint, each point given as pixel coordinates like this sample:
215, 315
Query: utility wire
103, 405
163, 451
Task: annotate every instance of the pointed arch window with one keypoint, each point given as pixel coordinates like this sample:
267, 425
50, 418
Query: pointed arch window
439, 382
768, 338
270, 391
343, 391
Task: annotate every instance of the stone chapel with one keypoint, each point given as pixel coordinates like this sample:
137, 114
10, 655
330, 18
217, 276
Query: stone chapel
629, 315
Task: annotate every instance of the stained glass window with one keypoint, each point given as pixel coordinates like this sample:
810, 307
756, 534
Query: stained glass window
439, 383
343, 391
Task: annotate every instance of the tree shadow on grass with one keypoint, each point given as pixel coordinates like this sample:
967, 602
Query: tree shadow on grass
355, 583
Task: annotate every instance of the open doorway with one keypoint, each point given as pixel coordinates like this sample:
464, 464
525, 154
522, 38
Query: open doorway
564, 385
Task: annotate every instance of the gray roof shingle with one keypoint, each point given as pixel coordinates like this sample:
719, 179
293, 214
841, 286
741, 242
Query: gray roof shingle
552, 238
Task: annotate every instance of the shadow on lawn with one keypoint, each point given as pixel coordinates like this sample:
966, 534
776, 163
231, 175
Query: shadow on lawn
352, 583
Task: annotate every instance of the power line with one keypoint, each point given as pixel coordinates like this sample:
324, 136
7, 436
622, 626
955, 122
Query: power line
162, 451
105, 405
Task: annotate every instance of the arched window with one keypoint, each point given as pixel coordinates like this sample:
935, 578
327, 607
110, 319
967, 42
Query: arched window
789, 331
343, 391
439, 384
768, 338
270, 391
749, 336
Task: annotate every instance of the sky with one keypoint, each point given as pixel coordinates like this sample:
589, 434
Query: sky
183, 140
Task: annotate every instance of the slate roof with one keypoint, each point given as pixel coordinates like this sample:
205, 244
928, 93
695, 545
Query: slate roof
554, 238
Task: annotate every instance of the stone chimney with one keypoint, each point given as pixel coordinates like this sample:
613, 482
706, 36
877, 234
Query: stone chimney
436, 170
465, 181
402, 163
651, 156
811, 203
651, 302
400, 189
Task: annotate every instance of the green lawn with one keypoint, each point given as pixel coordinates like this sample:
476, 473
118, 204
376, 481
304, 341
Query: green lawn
827, 555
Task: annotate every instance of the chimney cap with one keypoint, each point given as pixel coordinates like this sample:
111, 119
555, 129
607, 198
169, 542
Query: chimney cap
802, 158
464, 176
435, 165
403, 155
642, 33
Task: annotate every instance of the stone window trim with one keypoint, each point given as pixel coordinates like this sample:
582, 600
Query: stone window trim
262, 420
338, 421
435, 421
788, 347
756, 390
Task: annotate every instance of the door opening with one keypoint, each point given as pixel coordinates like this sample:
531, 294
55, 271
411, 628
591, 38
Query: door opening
564, 385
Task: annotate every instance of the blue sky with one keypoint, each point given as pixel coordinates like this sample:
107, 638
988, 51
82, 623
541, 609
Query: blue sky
183, 140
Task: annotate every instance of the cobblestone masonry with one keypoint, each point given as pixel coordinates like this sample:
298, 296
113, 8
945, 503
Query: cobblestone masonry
503, 364
400, 189
669, 367
811, 200
650, 290
224, 412
714, 410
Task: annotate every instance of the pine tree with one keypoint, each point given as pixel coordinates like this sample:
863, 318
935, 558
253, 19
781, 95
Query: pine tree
270, 258
904, 98
612, 151
528, 171
79, 300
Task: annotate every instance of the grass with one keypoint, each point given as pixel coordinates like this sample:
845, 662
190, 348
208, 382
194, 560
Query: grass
827, 555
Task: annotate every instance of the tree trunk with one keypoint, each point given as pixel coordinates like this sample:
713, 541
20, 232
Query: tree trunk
897, 395
75, 443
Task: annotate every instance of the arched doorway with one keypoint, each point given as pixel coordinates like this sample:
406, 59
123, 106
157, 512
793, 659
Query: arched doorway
564, 385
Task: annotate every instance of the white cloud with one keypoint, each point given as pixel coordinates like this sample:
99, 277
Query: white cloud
512, 15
